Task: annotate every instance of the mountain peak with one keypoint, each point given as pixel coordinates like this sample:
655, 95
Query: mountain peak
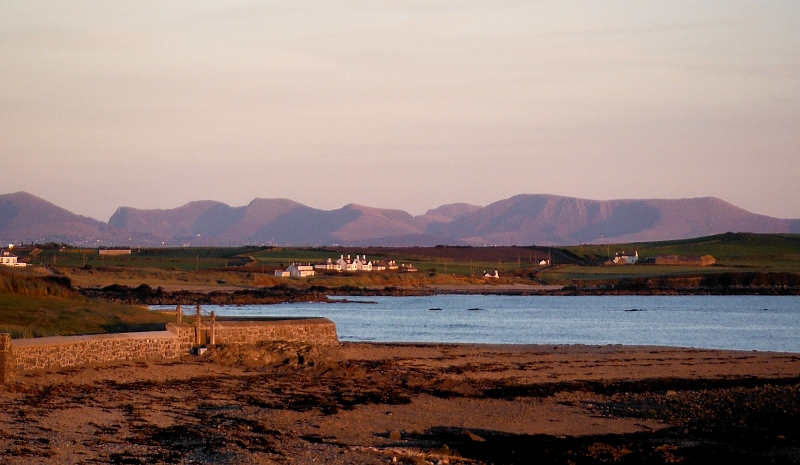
524, 219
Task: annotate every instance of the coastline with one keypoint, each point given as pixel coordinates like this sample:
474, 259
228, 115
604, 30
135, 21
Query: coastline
230, 295
413, 403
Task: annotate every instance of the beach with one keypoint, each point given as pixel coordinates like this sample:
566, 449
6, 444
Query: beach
411, 403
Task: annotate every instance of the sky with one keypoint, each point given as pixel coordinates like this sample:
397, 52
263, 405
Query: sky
399, 104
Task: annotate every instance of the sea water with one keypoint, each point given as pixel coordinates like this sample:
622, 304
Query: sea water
763, 323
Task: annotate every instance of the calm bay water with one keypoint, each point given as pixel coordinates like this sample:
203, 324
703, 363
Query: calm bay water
765, 323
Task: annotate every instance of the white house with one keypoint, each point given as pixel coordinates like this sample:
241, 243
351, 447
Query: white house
407, 268
346, 264
296, 270
486, 274
362, 264
383, 265
328, 265
9, 259
282, 273
626, 259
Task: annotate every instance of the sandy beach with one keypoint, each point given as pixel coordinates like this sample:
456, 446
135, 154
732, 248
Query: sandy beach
407, 403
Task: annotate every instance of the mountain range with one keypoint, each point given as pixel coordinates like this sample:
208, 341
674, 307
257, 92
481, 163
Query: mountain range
526, 219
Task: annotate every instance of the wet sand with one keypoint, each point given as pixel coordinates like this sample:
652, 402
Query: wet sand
407, 403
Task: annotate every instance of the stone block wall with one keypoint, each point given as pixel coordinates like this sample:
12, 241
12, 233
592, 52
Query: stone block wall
7, 368
314, 331
177, 340
66, 351
184, 334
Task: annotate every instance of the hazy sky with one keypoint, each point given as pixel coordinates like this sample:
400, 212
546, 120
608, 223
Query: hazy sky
399, 104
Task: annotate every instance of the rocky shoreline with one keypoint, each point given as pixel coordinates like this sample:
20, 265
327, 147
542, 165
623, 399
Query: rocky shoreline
413, 404
146, 295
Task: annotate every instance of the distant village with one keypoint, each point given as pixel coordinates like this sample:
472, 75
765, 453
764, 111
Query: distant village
360, 263
347, 264
676, 260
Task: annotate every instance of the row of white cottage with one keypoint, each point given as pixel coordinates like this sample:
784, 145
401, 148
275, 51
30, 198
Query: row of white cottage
360, 263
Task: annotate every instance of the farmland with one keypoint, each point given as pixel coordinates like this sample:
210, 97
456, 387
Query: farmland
53, 295
226, 269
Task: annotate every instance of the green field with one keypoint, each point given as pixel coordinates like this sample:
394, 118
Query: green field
734, 252
182, 258
254, 266
41, 299
34, 306
759, 250
23, 316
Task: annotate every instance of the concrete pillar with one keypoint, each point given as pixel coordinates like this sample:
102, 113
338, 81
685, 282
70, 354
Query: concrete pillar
7, 365
213, 328
198, 332
179, 311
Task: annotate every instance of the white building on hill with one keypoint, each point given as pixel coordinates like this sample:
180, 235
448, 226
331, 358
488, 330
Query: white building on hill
346, 264
9, 259
362, 264
296, 270
626, 259
328, 265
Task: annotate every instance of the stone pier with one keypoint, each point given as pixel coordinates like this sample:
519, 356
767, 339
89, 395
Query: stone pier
178, 340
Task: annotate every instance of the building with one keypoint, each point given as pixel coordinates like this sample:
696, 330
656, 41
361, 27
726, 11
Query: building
383, 265
328, 265
486, 274
626, 259
125, 251
296, 270
362, 264
9, 259
407, 268
346, 264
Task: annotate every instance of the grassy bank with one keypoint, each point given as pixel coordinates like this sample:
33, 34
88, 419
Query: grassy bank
765, 252
26, 316
37, 306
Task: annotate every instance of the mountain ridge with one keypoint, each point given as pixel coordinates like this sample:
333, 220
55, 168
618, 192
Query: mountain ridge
524, 219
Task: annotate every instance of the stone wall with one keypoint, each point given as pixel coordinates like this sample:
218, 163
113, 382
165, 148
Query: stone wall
177, 340
315, 331
184, 334
67, 351
6, 359
681, 260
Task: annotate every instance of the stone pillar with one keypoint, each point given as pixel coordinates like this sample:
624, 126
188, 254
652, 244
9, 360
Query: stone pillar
213, 328
179, 311
198, 332
7, 365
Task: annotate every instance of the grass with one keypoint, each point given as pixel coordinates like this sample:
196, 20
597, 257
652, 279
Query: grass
32, 305
595, 273
729, 247
424, 263
27, 316
734, 252
284, 256
157, 276
215, 267
183, 258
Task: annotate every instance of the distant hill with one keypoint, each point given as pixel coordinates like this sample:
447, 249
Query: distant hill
25, 217
528, 219
555, 220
